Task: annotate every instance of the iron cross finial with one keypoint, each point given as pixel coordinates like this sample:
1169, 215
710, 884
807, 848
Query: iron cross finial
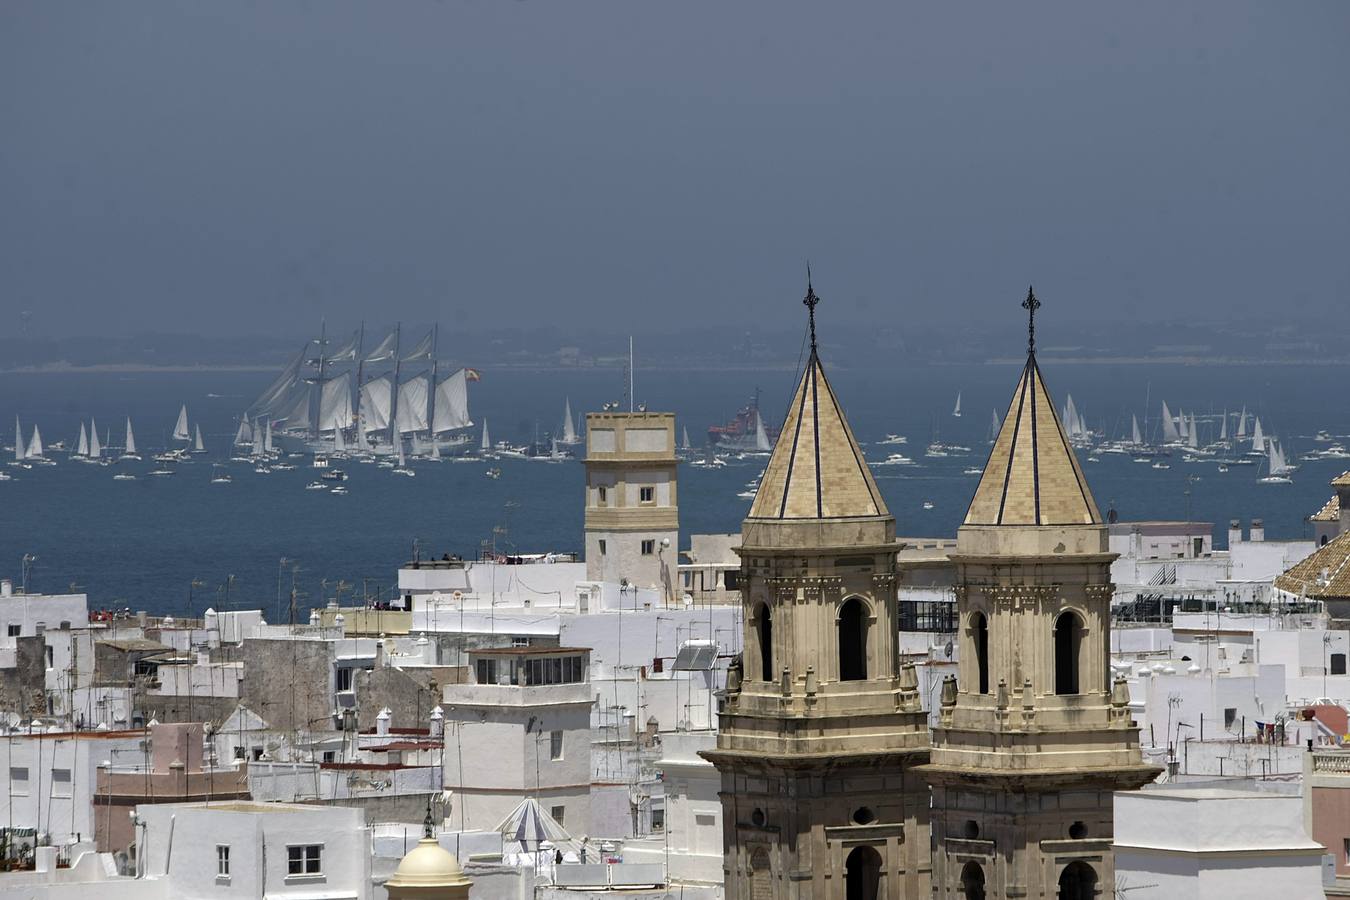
1031, 304
811, 300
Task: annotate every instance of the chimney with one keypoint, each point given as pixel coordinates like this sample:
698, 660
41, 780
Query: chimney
382, 721
437, 722
1258, 530
1234, 532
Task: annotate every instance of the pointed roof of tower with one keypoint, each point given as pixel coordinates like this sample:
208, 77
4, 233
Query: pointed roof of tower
1032, 476
817, 470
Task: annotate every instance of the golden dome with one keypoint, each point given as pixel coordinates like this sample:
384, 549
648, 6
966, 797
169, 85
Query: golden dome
428, 865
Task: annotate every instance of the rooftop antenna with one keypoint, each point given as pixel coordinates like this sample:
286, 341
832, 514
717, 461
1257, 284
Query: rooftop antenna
630, 373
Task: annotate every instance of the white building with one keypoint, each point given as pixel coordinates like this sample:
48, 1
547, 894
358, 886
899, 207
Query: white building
27, 615
1198, 842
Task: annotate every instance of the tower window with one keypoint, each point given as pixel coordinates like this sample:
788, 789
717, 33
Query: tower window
647, 494
971, 830
764, 627
1077, 882
602, 493
648, 547
1068, 640
972, 882
979, 627
853, 640
863, 816
1077, 831
862, 874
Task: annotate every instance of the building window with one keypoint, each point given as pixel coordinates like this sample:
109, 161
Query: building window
979, 627
862, 873
238, 752
330, 756
1078, 881
15, 630
306, 859
487, 671
344, 678
520, 642
1068, 640
853, 640
647, 494
602, 546
732, 579
18, 778
222, 860
1338, 664
602, 493
60, 782
558, 813
555, 745
764, 627
1229, 716
659, 819
972, 881
648, 547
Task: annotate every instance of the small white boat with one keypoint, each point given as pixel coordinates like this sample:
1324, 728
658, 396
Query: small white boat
219, 475
928, 504
338, 490
896, 459
1161, 465
973, 470
263, 470
750, 495
5, 476
1275, 479
159, 473
493, 473
404, 470
316, 486
894, 439
124, 476
1223, 469
957, 411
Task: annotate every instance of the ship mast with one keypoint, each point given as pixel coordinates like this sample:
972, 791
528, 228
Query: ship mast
395, 437
360, 365
431, 389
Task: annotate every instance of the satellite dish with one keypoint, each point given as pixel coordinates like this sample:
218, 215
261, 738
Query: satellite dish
947, 650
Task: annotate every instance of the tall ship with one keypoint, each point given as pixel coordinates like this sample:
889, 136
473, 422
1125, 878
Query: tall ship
336, 397
746, 432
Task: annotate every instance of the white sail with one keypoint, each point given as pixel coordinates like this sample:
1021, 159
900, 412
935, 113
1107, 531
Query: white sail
335, 403
486, 443
267, 437
375, 402
684, 439
244, 435
362, 443
180, 430
339, 442
1192, 434
294, 417
197, 440
35, 445
1275, 458
1223, 428
957, 411
1070, 416
452, 403
761, 437
569, 430
1183, 428
1170, 433
1258, 438
1135, 437
258, 440
131, 439
402, 461
82, 449
412, 405
994, 425
95, 448
1242, 424
18, 441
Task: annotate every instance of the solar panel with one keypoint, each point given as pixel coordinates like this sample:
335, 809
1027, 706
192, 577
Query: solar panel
696, 656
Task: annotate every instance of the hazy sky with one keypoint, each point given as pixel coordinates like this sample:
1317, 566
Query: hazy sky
245, 167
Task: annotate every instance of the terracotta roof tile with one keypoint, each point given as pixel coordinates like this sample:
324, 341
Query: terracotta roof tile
1325, 574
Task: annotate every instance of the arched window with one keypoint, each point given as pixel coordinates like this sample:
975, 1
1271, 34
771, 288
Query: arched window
764, 625
1068, 641
979, 627
972, 881
1077, 882
862, 874
853, 640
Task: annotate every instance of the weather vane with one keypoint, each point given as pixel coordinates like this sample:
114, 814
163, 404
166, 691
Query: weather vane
811, 300
1031, 304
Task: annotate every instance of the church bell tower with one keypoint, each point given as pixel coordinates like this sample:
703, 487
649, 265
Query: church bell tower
821, 729
1034, 735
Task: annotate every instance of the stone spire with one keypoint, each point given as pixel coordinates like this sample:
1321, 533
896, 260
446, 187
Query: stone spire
1032, 476
817, 470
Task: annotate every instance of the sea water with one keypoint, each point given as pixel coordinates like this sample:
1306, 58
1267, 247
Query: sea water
182, 543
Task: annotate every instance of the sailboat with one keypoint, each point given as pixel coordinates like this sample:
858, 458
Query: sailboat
267, 438
1242, 425
219, 474
994, 424
402, 467
1136, 437
95, 448
485, 445
197, 445
762, 444
129, 451
34, 453
18, 444
568, 429
1223, 429
244, 436
684, 440
1278, 469
1258, 440
180, 430
1192, 434
1171, 436
82, 446
957, 411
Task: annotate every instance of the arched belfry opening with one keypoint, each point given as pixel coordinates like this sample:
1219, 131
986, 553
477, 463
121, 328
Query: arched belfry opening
764, 631
1077, 882
979, 632
862, 874
1068, 644
972, 882
853, 622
